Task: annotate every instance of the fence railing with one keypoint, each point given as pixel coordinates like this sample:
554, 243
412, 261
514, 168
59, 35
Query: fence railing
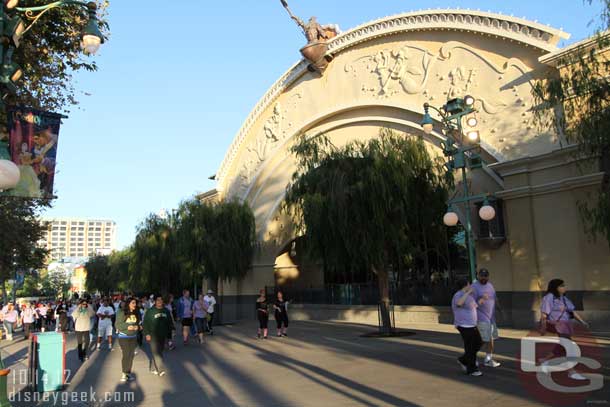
404, 293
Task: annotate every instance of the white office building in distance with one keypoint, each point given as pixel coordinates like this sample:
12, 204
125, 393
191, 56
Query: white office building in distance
72, 237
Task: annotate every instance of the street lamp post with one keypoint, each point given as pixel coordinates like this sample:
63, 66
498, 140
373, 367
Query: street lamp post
13, 25
462, 152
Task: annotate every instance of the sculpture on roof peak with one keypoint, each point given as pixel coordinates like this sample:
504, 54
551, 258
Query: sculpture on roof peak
317, 40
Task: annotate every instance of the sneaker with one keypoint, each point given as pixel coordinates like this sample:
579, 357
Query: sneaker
492, 363
576, 376
463, 366
284, 334
264, 337
279, 335
476, 373
131, 377
154, 372
110, 348
98, 346
135, 352
258, 336
124, 377
162, 373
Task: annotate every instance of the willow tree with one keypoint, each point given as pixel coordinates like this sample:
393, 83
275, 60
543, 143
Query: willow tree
367, 205
216, 240
577, 105
155, 263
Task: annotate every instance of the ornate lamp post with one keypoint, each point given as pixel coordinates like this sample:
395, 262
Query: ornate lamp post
462, 152
13, 25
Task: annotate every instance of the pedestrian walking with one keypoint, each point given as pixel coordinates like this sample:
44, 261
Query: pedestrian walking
82, 317
50, 316
28, 319
157, 329
71, 307
484, 294
185, 314
104, 326
464, 309
142, 309
128, 326
557, 315
9, 316
281, 314
41, 321
200, 313
61, 316
171, 305
211, 305
262, 312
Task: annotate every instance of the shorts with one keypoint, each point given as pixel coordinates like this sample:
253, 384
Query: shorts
187, 321
488, 331
200, 324
104, 328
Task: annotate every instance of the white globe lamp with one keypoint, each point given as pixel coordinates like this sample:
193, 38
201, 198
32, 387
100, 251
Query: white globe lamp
487, 212
450, 219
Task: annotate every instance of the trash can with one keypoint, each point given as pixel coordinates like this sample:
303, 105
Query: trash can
47, 361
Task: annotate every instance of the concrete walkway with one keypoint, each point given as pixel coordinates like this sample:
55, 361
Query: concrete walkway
319, 364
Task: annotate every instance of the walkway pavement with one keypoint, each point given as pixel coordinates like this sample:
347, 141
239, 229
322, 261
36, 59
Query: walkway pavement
319, 364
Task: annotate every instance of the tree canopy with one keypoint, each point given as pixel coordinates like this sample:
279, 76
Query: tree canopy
20, 232
372, 205
195, 242
576, 104
50, 55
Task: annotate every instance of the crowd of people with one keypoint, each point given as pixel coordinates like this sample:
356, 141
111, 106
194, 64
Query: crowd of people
134, 321
131, 320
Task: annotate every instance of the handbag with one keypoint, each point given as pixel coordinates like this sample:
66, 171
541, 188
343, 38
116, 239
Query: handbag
557, 326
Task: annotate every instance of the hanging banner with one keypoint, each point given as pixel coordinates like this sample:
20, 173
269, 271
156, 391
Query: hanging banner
33, 137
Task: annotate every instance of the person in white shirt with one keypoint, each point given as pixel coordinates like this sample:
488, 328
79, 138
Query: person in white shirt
28, 316
104, 327
42, 317
9, 318
210, 302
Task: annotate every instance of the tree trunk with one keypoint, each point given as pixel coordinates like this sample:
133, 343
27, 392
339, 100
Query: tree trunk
384, 299
4, 291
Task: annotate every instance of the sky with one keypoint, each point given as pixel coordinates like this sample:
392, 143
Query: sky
177, 79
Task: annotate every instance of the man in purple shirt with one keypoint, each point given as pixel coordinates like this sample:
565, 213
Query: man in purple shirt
464, 310
484, 294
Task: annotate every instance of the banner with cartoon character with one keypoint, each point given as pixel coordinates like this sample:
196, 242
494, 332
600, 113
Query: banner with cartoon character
33, 137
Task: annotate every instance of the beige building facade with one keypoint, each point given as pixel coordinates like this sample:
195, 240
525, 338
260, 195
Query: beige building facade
77, 237
381, 75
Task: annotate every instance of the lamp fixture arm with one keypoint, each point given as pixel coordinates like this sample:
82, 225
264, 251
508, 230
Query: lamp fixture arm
35, 13
441, 114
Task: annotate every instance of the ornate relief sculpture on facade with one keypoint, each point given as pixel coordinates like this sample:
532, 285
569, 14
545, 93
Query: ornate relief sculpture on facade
406, 69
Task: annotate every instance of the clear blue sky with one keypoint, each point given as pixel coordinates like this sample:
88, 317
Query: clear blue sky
178, 78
